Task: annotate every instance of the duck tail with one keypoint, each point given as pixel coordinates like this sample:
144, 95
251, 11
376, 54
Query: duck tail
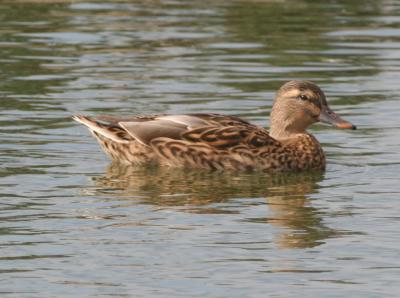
110, 131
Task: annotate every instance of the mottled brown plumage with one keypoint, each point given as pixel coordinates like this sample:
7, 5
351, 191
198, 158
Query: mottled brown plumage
213, 141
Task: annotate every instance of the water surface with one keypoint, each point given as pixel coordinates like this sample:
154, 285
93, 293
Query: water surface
75, 225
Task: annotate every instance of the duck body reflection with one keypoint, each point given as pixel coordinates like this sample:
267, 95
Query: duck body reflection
286, 196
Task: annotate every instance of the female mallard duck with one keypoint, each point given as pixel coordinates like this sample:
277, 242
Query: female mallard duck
212, 141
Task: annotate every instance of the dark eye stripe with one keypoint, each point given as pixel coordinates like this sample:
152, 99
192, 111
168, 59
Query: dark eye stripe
311, 100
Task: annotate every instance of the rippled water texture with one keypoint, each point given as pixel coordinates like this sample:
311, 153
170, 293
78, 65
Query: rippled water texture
74, 225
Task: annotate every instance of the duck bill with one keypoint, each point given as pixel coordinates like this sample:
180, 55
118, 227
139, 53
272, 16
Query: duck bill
330, 117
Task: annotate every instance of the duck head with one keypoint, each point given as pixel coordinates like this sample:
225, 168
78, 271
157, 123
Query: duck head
298, 104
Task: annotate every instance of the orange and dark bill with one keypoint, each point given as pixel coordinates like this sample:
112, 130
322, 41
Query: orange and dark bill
330, 117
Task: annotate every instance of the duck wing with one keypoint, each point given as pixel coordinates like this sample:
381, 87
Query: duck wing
182, 127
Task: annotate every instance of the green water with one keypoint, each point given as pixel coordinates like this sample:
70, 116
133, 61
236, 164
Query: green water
74, 225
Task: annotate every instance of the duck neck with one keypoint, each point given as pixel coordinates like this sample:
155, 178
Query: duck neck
282, 128
280, 133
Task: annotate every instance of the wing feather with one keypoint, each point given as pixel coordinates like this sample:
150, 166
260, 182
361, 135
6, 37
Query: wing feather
190, 121
146, 131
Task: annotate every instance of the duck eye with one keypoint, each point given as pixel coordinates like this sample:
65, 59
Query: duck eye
303, 97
